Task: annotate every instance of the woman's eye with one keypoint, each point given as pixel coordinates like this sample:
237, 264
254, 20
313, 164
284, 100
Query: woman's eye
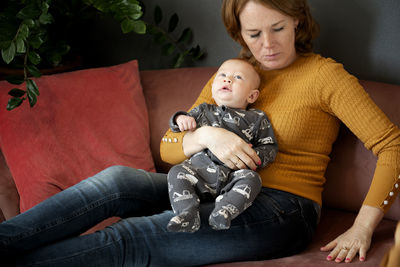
278, 29
255, 35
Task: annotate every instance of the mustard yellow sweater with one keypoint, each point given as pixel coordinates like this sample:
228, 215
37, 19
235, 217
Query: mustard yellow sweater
305, 103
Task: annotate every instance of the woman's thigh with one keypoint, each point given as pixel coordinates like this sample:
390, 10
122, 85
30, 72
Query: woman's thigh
278, 224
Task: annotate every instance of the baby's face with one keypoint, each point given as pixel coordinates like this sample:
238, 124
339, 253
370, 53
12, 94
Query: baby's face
235, 84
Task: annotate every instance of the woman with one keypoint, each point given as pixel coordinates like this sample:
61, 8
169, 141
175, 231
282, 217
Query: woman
276, 36
305, 96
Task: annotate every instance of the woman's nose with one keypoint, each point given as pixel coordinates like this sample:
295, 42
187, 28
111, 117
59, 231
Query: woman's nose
267, 40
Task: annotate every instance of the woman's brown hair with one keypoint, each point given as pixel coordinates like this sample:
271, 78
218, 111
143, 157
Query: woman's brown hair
307, 29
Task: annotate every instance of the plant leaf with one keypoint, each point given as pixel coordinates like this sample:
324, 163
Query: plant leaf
14, 102
23, 32
138, 26
9, 53
15, 79
33, 70
20, 45
32, 87
157, 15
173, 22
16, 92
196, 53
29, 22
46, 18
34, 57
186, 36
29, 12
179, 60
36, 41
127, 25
32, 99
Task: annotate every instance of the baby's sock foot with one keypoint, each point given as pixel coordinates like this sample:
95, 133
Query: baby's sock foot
220, 219
185, 222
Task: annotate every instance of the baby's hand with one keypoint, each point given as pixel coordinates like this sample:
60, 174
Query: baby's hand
185, 123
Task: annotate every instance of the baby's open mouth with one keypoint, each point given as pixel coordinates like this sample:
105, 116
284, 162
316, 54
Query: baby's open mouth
225, 89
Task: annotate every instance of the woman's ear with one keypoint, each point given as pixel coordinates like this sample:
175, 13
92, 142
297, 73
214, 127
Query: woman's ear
253, 96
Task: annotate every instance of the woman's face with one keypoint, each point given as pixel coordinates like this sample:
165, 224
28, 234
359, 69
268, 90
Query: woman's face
269, 34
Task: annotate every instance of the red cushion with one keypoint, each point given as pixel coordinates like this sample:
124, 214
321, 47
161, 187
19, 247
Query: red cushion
83, 122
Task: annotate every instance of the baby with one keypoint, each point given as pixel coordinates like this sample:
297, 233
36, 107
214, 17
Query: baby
204, 177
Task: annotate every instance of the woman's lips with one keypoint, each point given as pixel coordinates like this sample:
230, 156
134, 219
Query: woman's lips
271, 56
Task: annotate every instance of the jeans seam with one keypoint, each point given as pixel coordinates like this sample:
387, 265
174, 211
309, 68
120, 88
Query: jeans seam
310, 229
78, 253
58, 221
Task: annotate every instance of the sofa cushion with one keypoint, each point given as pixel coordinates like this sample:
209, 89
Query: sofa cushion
83, 122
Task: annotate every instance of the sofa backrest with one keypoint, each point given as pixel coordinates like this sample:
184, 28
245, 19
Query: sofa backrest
350, 170
164, 96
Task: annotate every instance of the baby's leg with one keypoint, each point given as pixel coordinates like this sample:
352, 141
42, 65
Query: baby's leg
237, 196
184, 200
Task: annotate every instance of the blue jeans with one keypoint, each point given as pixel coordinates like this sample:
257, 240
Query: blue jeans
278, 224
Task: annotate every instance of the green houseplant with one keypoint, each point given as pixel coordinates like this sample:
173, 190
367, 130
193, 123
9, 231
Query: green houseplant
39, 34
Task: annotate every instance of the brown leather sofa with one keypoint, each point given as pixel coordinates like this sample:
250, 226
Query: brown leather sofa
348, 175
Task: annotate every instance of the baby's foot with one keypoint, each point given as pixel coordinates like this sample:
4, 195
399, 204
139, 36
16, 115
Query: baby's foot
185, 222
220, 219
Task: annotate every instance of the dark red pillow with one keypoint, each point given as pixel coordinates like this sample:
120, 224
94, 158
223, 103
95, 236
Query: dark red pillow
84, 121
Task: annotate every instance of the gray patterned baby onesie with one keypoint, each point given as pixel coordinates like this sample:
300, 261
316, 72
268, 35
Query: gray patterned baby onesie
204, 178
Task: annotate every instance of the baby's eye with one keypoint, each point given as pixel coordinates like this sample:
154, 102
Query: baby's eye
238, 77
222, 75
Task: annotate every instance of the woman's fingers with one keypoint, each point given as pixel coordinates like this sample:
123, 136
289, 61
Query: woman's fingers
248, 159
245, 159
351, 254
331, 245
363, 253
345, 253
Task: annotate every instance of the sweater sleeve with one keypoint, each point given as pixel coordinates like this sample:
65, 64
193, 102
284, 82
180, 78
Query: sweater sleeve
171, 150
343, 96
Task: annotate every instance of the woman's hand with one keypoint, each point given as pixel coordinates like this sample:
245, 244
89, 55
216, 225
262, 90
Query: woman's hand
229, 148
357, 239
345, 247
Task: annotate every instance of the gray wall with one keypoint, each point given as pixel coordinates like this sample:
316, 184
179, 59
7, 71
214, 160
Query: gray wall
361, 34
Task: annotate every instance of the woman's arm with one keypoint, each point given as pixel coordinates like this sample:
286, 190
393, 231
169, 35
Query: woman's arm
343, 96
